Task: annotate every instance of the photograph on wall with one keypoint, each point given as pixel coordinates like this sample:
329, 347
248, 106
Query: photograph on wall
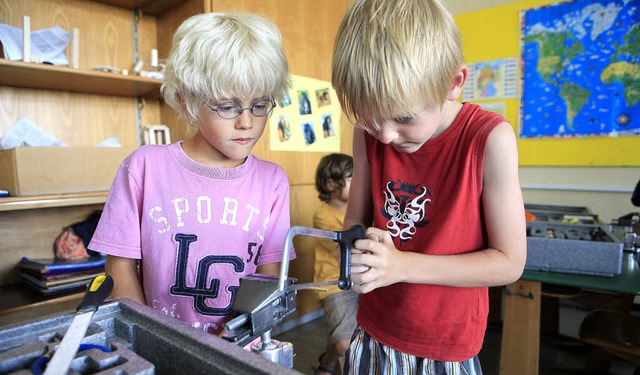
308, 132
323, 97
284, 128
327, 126
304, 102
581, 69
286, 100
311, 122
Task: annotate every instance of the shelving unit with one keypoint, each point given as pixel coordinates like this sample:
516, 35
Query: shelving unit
82, 107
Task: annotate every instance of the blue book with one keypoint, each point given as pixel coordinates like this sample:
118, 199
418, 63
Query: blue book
52, 266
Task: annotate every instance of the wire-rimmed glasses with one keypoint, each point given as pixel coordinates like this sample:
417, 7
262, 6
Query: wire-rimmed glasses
231, 110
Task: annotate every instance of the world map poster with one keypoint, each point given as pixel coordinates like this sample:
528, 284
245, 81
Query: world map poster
581, 69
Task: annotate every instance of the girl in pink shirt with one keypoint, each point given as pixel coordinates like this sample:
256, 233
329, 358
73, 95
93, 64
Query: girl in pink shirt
184, 222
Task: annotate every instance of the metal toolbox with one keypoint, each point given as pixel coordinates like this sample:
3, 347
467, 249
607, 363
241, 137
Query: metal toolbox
143, 341
571, 248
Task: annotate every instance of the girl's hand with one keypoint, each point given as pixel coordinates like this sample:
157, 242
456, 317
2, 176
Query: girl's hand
374, 261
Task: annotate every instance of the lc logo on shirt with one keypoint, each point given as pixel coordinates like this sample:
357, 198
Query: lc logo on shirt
199, 291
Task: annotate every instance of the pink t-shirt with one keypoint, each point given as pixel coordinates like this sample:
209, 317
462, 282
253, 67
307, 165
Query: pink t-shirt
196, 229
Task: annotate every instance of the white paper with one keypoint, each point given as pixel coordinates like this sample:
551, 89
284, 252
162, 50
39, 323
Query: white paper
47, 45
25, 133
109, 142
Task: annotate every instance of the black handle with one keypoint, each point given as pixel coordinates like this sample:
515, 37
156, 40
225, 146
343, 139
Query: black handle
346, 239
98, 290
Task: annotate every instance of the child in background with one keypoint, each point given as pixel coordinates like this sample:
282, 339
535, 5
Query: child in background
184, 222
436, 181
333, 180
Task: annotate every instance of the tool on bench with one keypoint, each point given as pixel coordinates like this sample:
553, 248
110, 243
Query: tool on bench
264, 301
99, 289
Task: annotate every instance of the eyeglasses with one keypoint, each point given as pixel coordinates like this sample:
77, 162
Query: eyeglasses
231, 110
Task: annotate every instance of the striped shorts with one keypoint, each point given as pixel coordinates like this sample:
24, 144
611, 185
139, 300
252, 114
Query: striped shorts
368, 356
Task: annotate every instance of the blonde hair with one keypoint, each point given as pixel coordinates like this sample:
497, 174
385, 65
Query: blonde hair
224, 56
390, 56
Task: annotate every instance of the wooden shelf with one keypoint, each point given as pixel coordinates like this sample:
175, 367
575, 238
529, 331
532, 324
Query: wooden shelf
50, 77
152, 7
47, 201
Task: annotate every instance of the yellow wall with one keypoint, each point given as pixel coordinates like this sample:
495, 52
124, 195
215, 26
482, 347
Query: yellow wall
494, 33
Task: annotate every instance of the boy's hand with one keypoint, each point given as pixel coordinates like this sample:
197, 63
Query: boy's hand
374, 261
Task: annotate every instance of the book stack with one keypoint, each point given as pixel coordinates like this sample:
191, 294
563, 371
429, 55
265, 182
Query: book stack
55, 276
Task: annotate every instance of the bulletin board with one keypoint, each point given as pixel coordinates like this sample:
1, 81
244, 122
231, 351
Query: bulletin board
307, 119
494, 33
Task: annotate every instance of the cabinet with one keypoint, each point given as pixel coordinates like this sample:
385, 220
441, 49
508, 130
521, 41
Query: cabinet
82, 107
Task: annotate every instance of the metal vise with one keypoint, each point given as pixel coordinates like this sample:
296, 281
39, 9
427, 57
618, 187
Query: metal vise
259, 306
264, 301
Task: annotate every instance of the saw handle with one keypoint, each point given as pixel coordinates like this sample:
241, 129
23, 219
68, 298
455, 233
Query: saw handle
98, 290
345, 240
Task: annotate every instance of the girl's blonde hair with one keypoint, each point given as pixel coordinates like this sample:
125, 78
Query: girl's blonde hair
224, 56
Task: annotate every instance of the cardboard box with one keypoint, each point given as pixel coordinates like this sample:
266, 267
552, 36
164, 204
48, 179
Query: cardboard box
59, 170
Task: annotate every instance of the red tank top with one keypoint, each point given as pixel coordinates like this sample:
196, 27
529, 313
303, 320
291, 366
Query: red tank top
430, 202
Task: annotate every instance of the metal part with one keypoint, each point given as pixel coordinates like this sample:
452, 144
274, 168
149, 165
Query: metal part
288, 241
280, 352
344, 238
630, 240
317, 285
259, 306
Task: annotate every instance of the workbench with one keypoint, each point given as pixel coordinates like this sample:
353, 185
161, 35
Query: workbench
522, 301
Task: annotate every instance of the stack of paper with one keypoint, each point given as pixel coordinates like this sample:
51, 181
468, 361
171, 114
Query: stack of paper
47, 45
25, 133
54, 276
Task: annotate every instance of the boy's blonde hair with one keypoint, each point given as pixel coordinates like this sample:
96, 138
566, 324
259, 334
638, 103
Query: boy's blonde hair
224, 56
390, 56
